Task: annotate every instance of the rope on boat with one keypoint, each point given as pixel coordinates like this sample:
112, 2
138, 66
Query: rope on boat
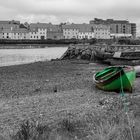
125, 106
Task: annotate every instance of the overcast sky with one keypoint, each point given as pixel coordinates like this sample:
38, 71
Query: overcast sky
77, 11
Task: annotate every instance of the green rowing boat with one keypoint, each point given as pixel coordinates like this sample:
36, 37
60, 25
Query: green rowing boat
115, 78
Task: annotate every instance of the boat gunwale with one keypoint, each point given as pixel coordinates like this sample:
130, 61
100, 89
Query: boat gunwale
116, 76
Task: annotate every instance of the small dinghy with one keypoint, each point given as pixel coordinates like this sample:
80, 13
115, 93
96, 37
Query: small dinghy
115, 78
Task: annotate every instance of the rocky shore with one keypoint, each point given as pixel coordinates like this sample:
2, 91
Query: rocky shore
48, 92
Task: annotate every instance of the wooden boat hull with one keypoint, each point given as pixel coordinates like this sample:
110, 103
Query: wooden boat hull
121, 79
125, 58
119, 61
100, 55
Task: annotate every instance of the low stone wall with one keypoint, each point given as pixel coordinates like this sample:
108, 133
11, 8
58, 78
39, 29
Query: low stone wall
85, 52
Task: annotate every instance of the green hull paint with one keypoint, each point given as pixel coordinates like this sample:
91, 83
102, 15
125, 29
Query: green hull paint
124, 81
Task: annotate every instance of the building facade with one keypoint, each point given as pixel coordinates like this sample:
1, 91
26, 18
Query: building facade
6, 33
118, 28
101, 31
133, 30
14, 34
38, 30
55, 32
9, 24
20, 33
88, 31
97, 28
85, 31
70, 31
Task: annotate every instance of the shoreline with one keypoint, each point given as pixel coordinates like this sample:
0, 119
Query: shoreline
30, 46
19, 64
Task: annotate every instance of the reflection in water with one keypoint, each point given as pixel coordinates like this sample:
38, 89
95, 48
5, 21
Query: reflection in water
23, 56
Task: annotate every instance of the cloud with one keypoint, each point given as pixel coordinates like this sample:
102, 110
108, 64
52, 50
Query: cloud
58, 7
69, 10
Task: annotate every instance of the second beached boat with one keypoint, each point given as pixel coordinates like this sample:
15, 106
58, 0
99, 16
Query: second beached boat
115, 78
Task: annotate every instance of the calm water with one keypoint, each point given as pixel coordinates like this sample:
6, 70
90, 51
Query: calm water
23, 56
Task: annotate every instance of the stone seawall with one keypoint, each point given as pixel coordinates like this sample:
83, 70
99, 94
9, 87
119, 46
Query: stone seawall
85, 52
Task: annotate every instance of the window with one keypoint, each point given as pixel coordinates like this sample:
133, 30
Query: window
116, 28
124, 31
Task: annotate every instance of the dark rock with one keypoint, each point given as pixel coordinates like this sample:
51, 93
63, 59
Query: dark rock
55, 89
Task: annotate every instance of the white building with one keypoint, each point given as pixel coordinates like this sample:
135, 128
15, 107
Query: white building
33, 34
39, 33
12, 30
101, 31
89, 31
39, 30
20, 33
70, 31
42, 32
6, 33
85, 31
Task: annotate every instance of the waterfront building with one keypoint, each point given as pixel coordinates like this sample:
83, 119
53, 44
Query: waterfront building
6, 33
101, 31
9, 24
38, 30
14, 34
70, 31
133, 30
80, 31
98, 28
118, 28
34, 34
55, 32
85, 31
7, 27
4, 22
20, 33
45, 31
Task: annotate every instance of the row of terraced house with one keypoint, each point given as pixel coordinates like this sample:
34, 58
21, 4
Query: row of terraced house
97, 28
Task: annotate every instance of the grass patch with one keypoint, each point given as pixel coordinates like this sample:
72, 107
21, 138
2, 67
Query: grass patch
88, 127
30, 130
